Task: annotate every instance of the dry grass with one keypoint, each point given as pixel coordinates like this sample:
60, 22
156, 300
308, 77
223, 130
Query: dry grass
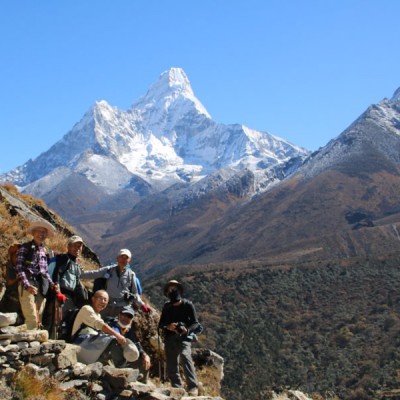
31, 387
13, 228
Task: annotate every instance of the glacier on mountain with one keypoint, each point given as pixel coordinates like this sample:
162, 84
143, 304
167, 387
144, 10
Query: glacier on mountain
166, 137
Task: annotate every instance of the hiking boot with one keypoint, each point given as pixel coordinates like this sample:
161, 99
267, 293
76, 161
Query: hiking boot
193, 391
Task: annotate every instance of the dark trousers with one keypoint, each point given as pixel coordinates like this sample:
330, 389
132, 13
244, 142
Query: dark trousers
179, 353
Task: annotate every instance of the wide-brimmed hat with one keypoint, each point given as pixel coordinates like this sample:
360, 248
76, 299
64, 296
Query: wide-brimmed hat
173, 283
131, 352
41, 224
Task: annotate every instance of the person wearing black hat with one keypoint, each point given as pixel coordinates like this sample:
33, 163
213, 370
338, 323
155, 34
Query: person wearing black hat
180, 326
123, 325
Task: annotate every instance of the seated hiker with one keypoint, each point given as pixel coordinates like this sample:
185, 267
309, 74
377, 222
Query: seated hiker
180, 326
97, 340
65, 270
33, 277
120, 283
123, 325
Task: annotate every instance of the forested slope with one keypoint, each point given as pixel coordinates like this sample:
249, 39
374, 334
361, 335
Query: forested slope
328, 329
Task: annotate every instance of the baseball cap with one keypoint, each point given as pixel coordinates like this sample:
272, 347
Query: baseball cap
75, 239
125, 252
127, 310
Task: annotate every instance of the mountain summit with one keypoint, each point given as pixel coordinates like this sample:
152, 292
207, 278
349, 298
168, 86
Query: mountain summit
112, 158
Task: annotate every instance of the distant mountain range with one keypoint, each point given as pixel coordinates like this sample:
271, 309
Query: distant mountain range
175, 186
342, 202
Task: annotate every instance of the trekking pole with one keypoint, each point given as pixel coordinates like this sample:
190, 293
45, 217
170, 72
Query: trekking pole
38, 324
57, 318
159, 356
59, 301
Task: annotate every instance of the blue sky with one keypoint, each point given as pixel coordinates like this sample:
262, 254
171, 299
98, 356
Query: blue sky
302, 70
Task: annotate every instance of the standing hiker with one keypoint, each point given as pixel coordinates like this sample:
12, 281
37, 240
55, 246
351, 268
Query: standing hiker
33, 277
120, 283
65, 270
179, 324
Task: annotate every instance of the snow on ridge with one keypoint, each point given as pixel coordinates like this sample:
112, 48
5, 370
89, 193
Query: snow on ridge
173, 85
166, 137
396, 96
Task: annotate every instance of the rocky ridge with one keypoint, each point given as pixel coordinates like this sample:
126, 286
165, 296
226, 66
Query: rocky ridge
43, 359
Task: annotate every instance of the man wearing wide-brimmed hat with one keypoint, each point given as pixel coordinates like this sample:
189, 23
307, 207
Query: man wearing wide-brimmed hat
33, 277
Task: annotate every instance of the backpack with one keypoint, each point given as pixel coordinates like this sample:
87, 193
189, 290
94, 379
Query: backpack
99, 284
11, 274
67, 323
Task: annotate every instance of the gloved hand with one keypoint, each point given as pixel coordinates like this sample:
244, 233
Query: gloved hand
61, 298
146, 308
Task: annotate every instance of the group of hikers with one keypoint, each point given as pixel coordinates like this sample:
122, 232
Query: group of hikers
50, 295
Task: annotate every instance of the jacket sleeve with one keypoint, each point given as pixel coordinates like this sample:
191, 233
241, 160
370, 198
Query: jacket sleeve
194, 325
96, 273
21, 255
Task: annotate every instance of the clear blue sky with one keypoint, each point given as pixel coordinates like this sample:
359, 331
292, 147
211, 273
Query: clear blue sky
302, 70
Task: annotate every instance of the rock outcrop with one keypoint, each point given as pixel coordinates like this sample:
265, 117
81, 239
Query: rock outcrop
32, 353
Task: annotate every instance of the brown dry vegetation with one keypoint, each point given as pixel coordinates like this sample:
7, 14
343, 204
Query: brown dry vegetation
13, 227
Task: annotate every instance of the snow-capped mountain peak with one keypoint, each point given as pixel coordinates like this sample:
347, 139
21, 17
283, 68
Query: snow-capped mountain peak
171, 92
396, 96
167, 137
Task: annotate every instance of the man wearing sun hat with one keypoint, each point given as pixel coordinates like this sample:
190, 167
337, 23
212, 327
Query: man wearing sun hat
120, 282
33, 277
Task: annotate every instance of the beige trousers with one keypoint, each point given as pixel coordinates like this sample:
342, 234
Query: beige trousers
32, 308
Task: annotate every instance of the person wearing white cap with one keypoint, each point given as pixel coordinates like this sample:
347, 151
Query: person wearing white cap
65, 270
33, 277
120, 283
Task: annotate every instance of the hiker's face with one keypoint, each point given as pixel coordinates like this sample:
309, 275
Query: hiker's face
125, 319
39, 235
75, 249
123, 260
100, 301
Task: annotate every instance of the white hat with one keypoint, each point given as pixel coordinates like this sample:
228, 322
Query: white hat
131, 352
75, 239
41, 224
125, 252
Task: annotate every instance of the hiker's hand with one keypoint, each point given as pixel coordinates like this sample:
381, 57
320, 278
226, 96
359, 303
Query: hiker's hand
56, 288
120, 339
61, 298
146, 362
146, 308
32, 290
171, 327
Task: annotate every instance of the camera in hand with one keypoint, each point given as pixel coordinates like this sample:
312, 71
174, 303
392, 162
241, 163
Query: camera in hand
128, 296
179, 327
